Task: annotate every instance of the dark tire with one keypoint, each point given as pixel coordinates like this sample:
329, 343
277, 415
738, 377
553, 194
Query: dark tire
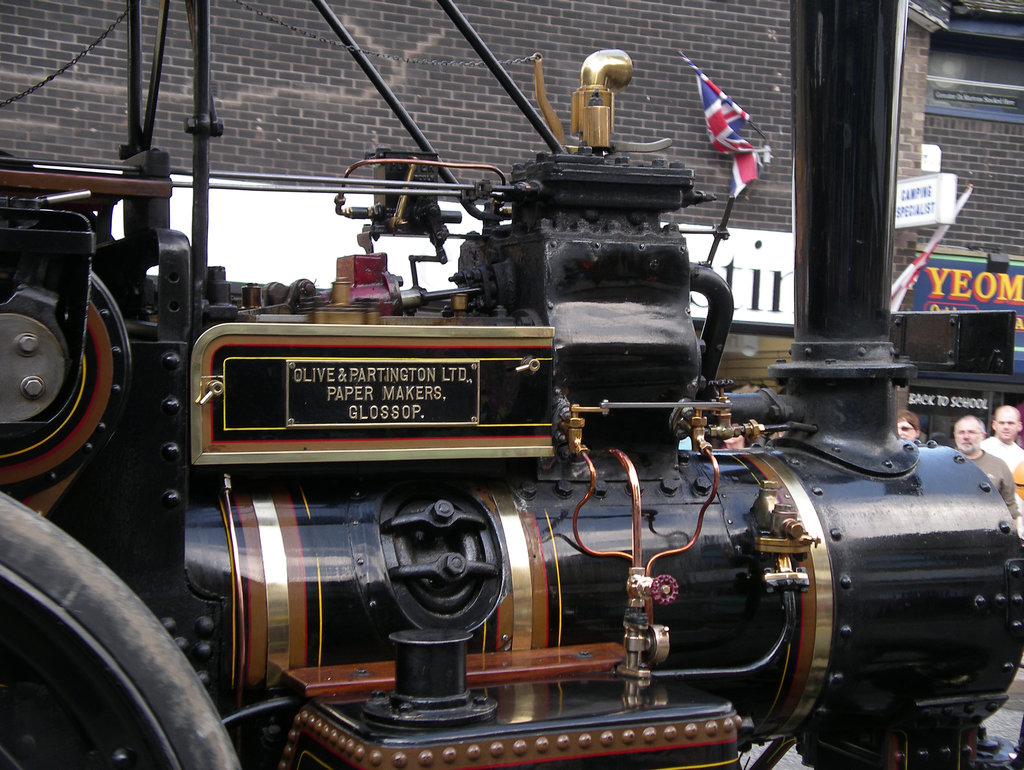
88, 676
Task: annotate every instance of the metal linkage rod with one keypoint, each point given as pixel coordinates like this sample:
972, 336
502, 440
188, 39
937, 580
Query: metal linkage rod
499, 72
378, 82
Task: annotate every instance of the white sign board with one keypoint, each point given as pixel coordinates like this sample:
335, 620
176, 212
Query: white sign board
926, 200
758, 266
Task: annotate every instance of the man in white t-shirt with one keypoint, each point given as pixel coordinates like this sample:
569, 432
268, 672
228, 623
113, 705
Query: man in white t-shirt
1006, 427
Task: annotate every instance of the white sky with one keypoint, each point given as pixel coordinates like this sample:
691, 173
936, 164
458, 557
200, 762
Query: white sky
283, 236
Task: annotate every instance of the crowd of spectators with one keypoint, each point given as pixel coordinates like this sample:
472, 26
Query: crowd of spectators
1000, 455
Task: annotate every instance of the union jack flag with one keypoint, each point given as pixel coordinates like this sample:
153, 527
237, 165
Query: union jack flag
725, 119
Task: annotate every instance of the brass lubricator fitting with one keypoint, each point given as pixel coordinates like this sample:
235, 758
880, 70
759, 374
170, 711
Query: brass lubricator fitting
782, 533
344, 278
764, 504
251, 299
644, 644
698, 431
702, 429
460, 302
603, 74
573, 427
342, 310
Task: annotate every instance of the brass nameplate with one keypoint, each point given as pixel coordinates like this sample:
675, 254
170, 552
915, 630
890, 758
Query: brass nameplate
381, 393
320, 393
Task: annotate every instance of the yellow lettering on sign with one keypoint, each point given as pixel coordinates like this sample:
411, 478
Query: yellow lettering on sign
960, 287
1010, 289
985, 286
938, 276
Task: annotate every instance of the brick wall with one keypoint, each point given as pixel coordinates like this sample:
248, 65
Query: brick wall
988, 155
912, 104
292, 104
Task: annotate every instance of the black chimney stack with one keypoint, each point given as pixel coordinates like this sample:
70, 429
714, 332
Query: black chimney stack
847, 56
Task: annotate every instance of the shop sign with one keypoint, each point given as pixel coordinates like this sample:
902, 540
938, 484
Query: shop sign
935, 400
961, 98
926, 200
758, 266
959, 283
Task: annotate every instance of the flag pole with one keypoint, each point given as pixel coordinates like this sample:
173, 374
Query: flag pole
906, 279
721, 232
761, 133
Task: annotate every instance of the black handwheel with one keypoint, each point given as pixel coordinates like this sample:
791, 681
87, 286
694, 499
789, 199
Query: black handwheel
88, 676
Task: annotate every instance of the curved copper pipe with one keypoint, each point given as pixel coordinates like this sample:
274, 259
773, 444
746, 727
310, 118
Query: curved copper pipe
634, 486
634, 490
420, 162
576, 514
706, 450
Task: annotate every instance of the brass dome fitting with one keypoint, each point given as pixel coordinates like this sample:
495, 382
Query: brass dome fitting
603, 74
610, 68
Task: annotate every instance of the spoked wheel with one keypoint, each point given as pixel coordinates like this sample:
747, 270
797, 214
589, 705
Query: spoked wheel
88, 676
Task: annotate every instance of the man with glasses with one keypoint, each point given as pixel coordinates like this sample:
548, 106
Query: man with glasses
968, 434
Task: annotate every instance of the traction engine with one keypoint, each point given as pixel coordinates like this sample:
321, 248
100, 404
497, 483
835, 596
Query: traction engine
489, 525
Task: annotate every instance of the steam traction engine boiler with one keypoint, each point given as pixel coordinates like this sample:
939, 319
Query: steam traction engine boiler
390, 528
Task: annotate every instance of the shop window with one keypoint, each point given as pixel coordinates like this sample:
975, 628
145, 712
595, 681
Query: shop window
964, 79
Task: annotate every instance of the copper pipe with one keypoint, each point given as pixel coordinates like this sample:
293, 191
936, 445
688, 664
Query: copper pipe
634, 485
634, 490
707, 452
421, 162
576, 514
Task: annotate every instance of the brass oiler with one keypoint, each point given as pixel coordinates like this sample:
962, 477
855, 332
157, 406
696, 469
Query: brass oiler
342, 309
603, 74
341, 286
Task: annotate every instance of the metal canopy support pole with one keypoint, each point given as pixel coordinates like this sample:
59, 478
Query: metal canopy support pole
134, 80
382, 87
154, 77
201, 127
499, 72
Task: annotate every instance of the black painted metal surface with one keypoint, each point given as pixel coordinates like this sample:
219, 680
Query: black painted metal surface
888, 632
846, 62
